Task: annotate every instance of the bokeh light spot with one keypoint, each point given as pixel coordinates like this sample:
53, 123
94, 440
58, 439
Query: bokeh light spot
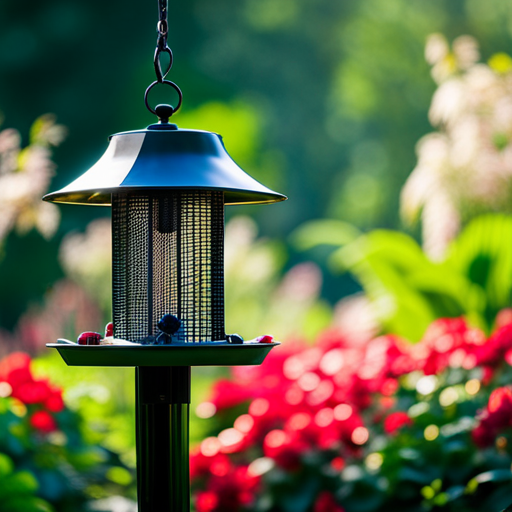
230, 437
5, 389
244, 423
448, 397
332, 362
206, 410
374, 461
259, 407
260, 466
294, 396
324, 417
210, 446
360, 435
342, 412
275, 438
299, 421
431, 432
426, 384
309, 381
472, 386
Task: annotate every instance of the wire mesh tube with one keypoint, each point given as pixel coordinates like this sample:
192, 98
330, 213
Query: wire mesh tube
168, 257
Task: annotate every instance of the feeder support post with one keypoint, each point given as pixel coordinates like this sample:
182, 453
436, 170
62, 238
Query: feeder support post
162, 431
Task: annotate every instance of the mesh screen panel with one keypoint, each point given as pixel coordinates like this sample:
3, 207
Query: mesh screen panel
168, 257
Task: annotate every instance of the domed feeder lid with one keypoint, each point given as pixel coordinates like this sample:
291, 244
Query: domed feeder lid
164, 157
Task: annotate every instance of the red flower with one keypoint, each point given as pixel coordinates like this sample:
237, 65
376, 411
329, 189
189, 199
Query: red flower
15, 369
43, 421
493, 351
207, 459
226, 394
312, 399
206, 501
504, 317
395, 421
325, 502
228, 493
32, 392
495, 418
54, 402
483, 436
337, 464
501, 400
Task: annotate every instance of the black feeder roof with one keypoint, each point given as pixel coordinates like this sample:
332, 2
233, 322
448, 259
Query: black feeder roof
164, 157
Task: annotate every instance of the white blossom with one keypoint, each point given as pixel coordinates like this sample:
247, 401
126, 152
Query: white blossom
466, 166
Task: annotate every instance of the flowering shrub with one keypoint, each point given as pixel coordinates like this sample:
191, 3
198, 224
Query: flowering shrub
24, 177
46, 443
374, 426
465, 167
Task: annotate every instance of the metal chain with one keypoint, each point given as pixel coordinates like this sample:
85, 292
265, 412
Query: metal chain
162, 28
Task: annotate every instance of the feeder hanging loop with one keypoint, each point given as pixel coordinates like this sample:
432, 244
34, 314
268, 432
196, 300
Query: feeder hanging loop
162, 28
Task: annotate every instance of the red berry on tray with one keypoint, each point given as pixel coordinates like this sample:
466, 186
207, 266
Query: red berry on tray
265, 339
109, 330
89, 338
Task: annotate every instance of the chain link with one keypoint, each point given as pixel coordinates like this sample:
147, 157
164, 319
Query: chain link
162, 26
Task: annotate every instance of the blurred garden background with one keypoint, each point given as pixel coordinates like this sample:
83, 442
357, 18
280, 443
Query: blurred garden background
387, 275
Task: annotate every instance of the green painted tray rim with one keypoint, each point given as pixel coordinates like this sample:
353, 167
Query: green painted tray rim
164, 355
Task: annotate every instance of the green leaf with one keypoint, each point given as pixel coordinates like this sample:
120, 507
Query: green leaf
383, 262
26, 504
496, 475
482, 254
119, 475
408, 290
6, 465
19, 483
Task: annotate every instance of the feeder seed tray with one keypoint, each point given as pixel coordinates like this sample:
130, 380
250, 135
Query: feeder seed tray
164, 355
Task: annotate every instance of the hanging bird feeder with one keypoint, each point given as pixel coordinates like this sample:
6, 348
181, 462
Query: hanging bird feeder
167, 188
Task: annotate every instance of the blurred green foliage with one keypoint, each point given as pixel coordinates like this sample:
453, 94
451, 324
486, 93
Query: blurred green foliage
407, 289
17, 489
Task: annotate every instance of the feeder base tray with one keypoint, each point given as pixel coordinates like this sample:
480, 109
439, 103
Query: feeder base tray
164, 355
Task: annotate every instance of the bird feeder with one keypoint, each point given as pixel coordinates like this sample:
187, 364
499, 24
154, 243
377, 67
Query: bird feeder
167, 188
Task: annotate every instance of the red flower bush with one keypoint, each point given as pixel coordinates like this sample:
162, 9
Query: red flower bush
19, 383
55, 452
326, 420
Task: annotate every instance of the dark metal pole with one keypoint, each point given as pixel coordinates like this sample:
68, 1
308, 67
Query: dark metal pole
162, 432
